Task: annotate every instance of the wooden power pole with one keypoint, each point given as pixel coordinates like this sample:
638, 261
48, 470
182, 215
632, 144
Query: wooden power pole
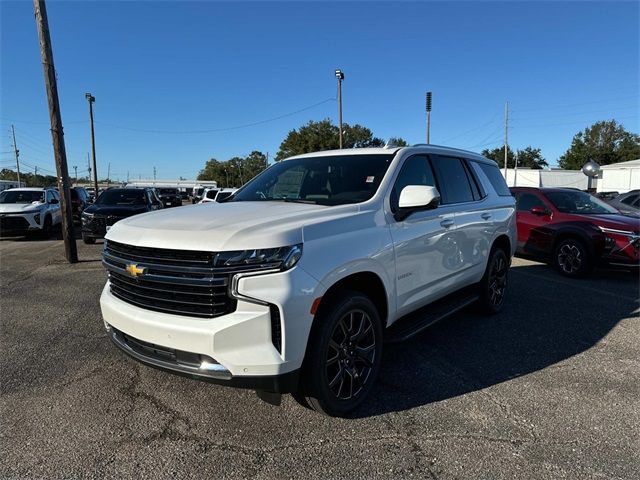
17, 152
57, 134
506, 137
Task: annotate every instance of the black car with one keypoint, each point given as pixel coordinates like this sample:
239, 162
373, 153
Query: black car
113, 205
80, 200
170, 197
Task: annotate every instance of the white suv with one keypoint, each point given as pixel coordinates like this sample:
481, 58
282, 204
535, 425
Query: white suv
301, 276
29, 210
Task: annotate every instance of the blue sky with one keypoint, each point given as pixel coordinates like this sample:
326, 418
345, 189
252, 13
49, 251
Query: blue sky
193, 66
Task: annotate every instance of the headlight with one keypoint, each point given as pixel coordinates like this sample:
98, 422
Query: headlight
263, 258
627, 233
86, 217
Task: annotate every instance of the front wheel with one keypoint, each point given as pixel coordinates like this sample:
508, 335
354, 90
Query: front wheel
343, 356
493, 286
46, 227
572, 258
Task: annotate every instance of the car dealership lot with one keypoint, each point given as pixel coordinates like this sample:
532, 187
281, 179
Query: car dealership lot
550, 388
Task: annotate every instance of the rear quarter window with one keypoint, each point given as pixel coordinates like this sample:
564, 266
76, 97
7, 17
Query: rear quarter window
496, 179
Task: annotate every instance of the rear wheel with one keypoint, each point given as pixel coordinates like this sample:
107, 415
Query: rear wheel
343, 356
572, 258
493, 286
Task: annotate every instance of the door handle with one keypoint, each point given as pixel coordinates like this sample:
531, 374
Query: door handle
486, 215
446, 223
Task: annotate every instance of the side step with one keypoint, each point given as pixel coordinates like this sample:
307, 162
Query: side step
418, 321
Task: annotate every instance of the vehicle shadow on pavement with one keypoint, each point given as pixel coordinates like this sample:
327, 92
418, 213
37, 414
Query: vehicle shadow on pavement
554, 320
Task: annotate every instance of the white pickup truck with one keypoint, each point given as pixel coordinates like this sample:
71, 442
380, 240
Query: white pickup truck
294, 284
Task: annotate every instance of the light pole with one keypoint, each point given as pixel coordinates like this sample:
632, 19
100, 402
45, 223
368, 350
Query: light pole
340, 77
90, 98
226, 172
428, 117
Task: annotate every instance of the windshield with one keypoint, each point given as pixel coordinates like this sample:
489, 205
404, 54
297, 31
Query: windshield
325, 180
168, 191
122, 197
579, 203
22, 196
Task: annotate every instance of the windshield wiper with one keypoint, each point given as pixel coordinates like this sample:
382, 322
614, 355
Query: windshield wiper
299, 200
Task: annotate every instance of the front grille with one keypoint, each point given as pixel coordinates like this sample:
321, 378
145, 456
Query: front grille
180, 282
13, 223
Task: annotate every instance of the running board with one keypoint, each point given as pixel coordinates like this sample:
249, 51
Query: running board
418, 321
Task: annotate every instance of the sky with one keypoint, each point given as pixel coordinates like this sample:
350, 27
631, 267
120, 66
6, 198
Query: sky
178, 83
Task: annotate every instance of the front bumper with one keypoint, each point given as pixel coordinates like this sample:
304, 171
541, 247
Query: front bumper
188, 365
19, 223
239, 344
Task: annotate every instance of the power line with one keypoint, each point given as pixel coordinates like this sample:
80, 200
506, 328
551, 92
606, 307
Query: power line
567, 105
225, 129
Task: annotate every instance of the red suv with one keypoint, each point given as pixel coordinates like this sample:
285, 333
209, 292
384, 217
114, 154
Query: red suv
575, 230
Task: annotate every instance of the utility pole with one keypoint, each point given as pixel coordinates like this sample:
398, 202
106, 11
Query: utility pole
89, 169
154, 175
428, 117
90, 98
57, 134
75, 168
127, 176
515, 169
340, 77
108, 173
226, 172
506, 138
17, 152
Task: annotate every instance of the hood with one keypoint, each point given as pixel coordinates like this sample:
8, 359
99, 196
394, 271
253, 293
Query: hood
619, 222
116, 210
226, 226
20, 207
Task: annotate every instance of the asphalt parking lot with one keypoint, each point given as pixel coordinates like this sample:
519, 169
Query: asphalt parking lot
550, 388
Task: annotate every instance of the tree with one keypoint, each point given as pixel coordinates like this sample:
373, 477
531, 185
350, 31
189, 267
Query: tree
398, 142
605, 142
529, 157
323, 135
236, 171
29, 179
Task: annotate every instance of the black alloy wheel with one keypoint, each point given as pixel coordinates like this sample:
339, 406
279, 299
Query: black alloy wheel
343, 355
493, 286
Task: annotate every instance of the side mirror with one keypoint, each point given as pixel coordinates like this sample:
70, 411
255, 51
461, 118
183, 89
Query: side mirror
53, 201
540, 211
417, 197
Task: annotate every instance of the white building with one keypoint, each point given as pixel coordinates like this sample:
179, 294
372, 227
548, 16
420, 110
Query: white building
528, 177
620, 177
180, 184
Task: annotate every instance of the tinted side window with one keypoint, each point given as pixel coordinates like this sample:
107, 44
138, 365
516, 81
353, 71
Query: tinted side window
630, 200
453, 180
526, 201
49, 196
476, 186
415, 171
496, 179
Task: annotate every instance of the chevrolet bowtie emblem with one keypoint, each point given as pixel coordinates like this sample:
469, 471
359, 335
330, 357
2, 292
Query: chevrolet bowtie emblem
134, 270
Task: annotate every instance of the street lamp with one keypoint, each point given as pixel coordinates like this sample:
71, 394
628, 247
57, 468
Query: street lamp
340, 76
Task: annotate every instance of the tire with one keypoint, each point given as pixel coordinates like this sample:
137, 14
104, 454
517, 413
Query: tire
46, 227
88, 240
572, 258
493, 286
345, 346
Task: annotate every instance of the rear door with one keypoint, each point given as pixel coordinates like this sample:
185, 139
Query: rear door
474, 220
